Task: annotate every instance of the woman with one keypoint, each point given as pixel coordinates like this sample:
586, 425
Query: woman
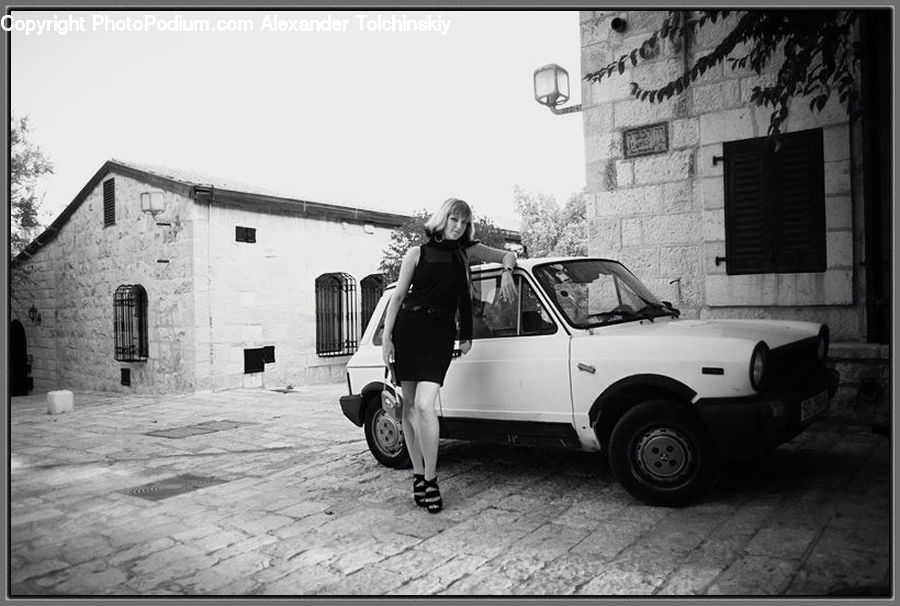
420, 328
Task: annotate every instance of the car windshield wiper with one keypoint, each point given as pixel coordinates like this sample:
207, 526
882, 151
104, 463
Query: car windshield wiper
650, 306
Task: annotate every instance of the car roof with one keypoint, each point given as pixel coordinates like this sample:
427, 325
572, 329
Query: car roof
528, 263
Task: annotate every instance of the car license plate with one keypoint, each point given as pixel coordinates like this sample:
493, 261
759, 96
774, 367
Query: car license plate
810, 407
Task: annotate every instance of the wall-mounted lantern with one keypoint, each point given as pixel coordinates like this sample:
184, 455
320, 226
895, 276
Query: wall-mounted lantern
551, 88
34, 316
154, 203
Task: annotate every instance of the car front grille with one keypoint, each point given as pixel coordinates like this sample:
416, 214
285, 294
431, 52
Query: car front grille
794, 365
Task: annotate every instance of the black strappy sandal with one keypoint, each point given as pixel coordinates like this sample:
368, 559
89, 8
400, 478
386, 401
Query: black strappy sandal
419, 489
432, 500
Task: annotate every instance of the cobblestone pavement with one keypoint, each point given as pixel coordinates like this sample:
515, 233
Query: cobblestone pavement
305, 509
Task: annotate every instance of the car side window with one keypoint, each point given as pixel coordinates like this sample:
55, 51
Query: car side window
493, 316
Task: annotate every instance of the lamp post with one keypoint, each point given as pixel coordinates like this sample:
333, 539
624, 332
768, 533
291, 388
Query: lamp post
551, 88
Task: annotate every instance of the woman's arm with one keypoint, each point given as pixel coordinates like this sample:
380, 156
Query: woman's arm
485, 254
407, 268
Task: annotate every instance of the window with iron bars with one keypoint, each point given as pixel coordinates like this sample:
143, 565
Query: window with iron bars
335, 315
371, 288
130, 313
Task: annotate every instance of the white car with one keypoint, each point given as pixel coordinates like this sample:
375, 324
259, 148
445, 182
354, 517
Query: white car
587, 357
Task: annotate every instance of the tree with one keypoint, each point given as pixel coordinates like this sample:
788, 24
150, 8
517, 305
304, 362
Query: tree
549, 231
412, 233
816, 46
27, 165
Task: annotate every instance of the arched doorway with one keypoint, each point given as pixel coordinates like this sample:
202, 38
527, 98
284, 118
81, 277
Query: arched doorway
18, 360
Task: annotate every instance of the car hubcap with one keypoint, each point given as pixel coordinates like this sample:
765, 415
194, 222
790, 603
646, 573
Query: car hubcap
663, 454
388, 433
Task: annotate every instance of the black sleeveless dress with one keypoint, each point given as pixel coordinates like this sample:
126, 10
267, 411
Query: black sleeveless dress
425, 328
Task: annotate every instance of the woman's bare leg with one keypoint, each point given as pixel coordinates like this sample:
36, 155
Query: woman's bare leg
426, 425
409, 426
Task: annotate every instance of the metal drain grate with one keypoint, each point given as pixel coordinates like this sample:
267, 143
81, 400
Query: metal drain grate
170, 487
196, 430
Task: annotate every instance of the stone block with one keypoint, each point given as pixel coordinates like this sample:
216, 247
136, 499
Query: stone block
679, 197
680, 261
597, 177
711, 250
713, 194
685, 133
637, 113
59, 402
602, 146
716, 97
837, 177
705, 166
631, 201
616, 87
754, 290
672, 229
801, 117
641, 261
727, 125
606, 232
836, 143
624, 173
674, 166
714, 225
632, 232
839, 245
748, 84
838, 212
838, 287
711, 33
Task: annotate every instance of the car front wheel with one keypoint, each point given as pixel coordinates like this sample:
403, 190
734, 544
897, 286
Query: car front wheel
384, 436
661, 454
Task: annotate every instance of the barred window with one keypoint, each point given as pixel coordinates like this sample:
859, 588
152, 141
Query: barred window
109, 202
335, 315
130, 311
371, 286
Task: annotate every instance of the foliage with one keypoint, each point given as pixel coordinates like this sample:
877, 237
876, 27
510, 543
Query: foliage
549, 231
27, 165
412, 233
816, 47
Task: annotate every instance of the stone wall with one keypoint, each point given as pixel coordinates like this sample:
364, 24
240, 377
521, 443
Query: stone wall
251, 295
72, 280
663, 214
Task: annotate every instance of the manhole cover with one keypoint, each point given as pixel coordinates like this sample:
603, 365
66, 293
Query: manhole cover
196, 430
170, 487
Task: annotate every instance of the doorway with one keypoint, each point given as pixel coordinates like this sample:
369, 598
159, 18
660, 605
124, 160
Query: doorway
18, 360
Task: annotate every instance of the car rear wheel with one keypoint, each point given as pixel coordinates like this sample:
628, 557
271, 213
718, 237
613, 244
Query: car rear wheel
384, 436
662, 454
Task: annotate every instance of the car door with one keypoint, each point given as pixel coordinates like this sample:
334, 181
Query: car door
517, 369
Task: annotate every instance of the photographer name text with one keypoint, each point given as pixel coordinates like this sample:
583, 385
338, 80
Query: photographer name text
271, 23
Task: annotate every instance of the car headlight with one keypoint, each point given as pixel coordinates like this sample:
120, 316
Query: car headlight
759, 362
824, 338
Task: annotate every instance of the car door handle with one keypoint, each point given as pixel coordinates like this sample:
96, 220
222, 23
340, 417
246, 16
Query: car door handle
457, 353
586, 368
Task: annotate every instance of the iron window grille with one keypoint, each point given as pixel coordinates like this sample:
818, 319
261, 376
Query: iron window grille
370, 288
130, 312
109, 202
335, 315
775, 204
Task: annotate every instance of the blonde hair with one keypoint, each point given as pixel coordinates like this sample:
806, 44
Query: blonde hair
438, 220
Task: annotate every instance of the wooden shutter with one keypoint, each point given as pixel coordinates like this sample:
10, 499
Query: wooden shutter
799, 203
748, 249
775, 205
109, 202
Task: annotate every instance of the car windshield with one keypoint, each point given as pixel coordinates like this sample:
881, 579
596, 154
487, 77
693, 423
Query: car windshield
594, 292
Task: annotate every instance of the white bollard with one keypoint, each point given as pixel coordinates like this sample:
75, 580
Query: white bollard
59, 401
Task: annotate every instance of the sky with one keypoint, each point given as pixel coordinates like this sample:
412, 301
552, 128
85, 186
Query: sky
365, 114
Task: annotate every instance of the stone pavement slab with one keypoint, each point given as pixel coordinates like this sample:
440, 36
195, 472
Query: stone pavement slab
304, 509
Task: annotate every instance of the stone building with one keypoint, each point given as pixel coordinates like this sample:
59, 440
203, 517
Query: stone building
687, 194
221, 286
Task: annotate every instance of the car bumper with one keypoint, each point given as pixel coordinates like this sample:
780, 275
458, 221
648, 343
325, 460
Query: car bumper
751, 425
351, 406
